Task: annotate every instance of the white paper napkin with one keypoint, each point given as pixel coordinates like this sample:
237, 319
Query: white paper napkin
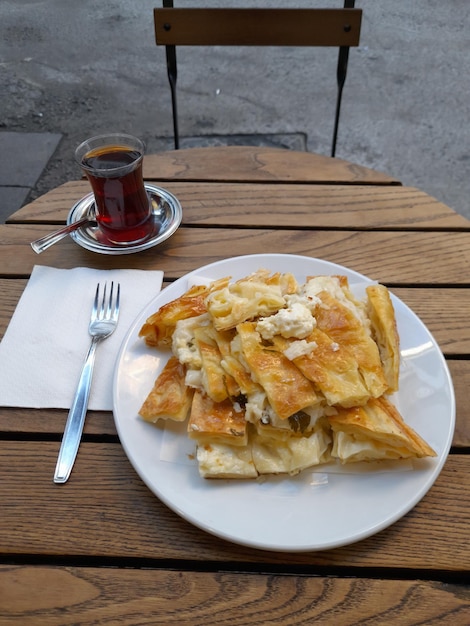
44, 347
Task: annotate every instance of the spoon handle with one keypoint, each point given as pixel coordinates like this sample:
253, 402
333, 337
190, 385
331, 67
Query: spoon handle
48, 240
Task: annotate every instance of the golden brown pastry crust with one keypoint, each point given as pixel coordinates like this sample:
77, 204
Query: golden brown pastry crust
216, 422
287, 389
343, 327
380, 422
169, 398
214, 377
158, 328
332, 368
385, 332
299, 379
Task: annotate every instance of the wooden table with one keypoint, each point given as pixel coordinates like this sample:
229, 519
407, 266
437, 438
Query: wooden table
103, 549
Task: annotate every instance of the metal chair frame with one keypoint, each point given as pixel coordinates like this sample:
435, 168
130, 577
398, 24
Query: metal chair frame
310, 27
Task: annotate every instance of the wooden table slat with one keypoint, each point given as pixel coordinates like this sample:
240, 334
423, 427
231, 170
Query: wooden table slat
65, 596
415, 258
276, 205
240, 163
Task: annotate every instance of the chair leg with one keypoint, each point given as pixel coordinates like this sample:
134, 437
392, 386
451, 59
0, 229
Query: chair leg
343, 57
172, 77
341, 71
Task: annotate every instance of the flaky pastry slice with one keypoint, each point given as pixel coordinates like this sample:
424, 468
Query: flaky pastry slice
329, 365
214, 378
338, 287
237, 372
218, 460
250, 297
234, 363
217, 422
290, 455
384, 331
287, 389
158, 328
374, 432
342, 326
169, 398
284, 280
263, 456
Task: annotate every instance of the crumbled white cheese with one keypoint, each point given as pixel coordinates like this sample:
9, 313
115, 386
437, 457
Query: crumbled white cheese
300, 348
184, 344
307, 300
193, 378
296, 321
255, 406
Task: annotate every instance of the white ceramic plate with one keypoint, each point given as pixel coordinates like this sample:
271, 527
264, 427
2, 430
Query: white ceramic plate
320, 508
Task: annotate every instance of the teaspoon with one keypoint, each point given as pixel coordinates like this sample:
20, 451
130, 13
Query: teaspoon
48, 240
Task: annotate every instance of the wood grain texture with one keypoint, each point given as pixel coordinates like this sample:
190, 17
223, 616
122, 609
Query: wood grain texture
460, 372
261, 164
443, 311
106, 511
415, 258
313, 206
257, 27
240, 164
65, 596
277, 205
24, 421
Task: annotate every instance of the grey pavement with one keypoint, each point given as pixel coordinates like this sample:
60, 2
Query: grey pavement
71, 69
23, 158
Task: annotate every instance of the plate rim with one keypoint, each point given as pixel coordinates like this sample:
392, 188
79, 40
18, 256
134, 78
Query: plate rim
257, 544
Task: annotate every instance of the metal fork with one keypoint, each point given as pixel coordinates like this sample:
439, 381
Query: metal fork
103, 321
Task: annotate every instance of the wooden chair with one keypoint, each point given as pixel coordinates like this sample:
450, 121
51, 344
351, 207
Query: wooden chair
257, 27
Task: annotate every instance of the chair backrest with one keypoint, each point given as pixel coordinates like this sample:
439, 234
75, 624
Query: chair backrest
257, 27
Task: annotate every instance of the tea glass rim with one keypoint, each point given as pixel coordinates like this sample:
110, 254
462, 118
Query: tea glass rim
127, 140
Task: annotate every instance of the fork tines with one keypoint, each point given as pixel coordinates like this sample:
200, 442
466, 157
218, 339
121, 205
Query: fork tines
111, 311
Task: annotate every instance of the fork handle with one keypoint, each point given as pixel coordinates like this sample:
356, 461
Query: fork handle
76, 419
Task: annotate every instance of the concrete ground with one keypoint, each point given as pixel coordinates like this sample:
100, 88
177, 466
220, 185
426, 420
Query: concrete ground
72, 69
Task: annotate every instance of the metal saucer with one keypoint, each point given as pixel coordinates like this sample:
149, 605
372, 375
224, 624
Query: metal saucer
167, 215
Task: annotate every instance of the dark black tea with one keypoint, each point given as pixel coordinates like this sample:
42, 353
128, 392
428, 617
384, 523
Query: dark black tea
122, 205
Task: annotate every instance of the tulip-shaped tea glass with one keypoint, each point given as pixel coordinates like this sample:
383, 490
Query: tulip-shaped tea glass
113, 165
